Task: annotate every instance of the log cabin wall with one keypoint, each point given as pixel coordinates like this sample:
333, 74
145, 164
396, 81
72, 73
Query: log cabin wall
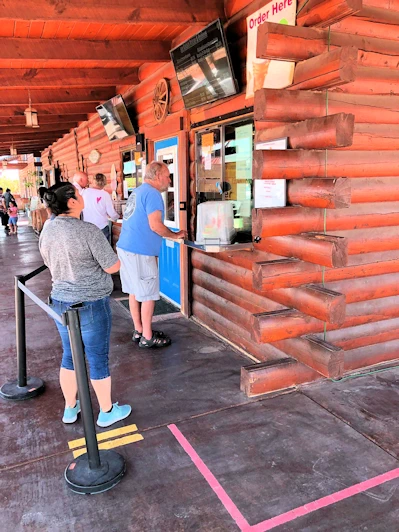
321, 285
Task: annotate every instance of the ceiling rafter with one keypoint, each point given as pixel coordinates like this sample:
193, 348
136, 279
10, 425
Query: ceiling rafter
67, 77
189, 12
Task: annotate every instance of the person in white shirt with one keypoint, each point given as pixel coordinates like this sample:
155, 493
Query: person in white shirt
98, 204
80, 180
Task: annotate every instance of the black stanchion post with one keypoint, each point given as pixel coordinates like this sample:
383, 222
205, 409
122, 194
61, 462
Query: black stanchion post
96, 471
24, 387
20, 328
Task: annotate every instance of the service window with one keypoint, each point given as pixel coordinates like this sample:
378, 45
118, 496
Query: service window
133, 170
224, 170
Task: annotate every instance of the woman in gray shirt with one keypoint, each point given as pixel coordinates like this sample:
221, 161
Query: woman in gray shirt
80, 261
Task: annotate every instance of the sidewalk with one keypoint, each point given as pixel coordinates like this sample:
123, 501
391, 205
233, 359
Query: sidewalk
202, 457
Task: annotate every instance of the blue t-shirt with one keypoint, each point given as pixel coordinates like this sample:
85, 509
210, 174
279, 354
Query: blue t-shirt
136, 235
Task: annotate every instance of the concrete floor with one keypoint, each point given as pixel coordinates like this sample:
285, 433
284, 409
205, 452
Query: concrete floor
267, 456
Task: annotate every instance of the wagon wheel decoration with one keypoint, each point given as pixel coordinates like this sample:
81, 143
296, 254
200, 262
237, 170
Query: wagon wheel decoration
160, 101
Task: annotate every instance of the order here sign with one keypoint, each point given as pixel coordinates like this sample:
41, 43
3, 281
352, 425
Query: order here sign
265, 73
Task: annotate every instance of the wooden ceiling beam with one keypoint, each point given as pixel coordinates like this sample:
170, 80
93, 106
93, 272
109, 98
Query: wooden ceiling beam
116, 12
49, 109
14, 121
81, 50
67, 77
38, 96
32, 137
17, 130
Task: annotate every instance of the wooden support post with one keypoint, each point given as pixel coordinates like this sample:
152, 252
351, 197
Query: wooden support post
292, 106
297, 164
267, 377
321, 193
332, 131
296, 43
281, 221
327, 70
326, 250
321, 356
324, 13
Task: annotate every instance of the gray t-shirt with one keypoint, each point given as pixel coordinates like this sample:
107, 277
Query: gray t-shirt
76, 254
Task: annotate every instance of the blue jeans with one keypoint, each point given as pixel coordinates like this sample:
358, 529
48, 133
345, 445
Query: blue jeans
106, 232
95, 325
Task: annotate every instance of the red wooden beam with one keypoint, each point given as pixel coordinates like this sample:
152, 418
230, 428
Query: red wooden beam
321, 193
273, 376
324, 13
73, 108
19, 96
295, 43
122, 12
16, 121
320, 355
327, 70
67, 77
297, 164
317, 133
22, 130
325, 250
83, 50
281, 221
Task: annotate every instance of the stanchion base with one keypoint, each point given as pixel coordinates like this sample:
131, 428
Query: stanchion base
13, 392
81, 479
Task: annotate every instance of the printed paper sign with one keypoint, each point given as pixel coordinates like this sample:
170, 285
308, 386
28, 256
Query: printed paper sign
265, 73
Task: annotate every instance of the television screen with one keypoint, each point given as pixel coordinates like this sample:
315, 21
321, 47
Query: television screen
115, 118
203, 67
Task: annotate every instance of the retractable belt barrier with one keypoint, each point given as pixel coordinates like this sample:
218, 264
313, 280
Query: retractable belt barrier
95, 471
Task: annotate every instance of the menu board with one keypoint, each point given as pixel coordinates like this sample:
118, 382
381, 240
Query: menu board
203, 67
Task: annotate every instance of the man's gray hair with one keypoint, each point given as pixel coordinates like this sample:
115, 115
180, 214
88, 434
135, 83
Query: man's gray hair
153, 169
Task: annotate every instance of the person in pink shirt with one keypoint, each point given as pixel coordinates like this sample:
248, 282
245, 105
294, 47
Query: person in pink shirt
13, 214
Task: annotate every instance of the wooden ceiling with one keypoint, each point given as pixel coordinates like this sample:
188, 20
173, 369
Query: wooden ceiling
72, 54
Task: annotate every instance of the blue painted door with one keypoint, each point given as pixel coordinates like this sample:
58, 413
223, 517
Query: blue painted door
169, 259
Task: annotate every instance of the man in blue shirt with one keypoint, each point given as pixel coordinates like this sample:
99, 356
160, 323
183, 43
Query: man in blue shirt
139, 246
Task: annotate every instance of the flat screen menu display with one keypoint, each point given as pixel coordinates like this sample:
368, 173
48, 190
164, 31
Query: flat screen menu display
203, 67
115, 118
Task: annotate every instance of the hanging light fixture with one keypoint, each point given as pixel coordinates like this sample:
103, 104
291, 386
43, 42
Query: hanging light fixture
13, 151
31, 115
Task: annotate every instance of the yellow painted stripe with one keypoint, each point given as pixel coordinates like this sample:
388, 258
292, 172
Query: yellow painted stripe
73, 444
112, 444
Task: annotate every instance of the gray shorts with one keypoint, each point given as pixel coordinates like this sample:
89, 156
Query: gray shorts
139, 275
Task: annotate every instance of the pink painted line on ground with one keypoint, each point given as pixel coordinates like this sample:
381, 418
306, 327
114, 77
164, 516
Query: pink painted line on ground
325, 501
211, 479
286, 517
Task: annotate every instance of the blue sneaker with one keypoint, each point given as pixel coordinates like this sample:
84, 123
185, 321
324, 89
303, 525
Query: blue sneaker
71, 414
105, 419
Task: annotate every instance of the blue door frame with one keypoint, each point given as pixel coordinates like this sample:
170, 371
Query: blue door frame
169, 259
